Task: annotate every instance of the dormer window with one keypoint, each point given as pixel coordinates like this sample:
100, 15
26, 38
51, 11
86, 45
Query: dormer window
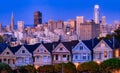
7, 53
23, 51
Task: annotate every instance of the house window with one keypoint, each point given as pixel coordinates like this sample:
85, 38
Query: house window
61, 49
8, 61
64, 56
105, 54
4, 59
68, 57
37, 58
84, 56
7, 53
41, 49
117, 53
13, 61
56, 57
23, 51
44, 58
76, 57
81, 47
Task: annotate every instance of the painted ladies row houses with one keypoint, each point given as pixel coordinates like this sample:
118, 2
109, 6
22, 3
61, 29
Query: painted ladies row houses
58, 52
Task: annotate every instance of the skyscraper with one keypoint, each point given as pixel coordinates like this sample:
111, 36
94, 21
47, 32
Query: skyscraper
20, 26
96, 14
103, 20
37, 18
12, 22
79, 20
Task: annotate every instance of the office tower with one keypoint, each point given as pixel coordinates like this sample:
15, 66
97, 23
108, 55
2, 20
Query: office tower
20, 26
103, 20
51, 25
60, 24
96, 14
89, 30
79, 20
12, 22
37, 18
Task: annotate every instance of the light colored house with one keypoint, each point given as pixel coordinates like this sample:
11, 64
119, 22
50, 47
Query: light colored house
8, 57
61, 53
81, 53
24, 56
102, 51
42, 55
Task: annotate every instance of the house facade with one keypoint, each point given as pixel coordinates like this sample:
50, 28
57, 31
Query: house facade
42, 55
102, 51
23, 57
81, 53
8, 57
61, 54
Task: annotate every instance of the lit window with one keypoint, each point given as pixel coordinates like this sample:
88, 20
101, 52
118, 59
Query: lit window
102, 45
117, 53
105, 54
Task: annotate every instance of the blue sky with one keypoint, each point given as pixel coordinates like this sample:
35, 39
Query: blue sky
57, 9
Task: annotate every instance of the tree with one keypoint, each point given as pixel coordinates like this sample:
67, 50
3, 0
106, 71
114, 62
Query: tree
117, 34
88, 67
69, 68
27, 69
5, 68
46, 69
110, 65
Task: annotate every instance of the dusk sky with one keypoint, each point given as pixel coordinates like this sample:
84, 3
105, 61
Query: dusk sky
57, 9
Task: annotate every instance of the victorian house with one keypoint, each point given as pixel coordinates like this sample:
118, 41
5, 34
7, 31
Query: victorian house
61, 52
42, 54
103, 51
81, 52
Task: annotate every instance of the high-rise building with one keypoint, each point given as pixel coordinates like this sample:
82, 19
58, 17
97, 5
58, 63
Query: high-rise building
12, 22
37, 18
103, 20
79, 20
96, 14
89, 30
60, 24
20, 26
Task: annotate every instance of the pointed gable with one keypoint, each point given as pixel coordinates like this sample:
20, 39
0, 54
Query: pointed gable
101, 45
80, 47
31, 48
60, 48
23, 52
41, 49
7, 52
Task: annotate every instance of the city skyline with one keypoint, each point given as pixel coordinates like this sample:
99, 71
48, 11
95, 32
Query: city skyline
56, 10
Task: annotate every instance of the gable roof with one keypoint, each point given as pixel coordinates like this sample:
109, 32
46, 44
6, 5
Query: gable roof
31, 48
48, 46
113, 43
91, 43
14, 49
3, 46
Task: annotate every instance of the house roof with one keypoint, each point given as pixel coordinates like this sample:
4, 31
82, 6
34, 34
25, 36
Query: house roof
14, 49
91, 43
48, 46
31, 48
113, 43
3, 46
